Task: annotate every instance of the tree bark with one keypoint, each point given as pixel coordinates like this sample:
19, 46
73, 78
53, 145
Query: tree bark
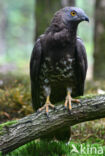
3, 25
38, 125
99, 40
44, 12
68, 3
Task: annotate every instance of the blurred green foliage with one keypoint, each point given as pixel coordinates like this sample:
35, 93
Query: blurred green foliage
86, 30
48, 7
19, 31
20, 28
53, 148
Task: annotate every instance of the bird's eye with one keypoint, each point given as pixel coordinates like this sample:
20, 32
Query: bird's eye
73, 13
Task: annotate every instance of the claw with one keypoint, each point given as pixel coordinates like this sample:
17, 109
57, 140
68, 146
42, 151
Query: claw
70, 111
47, 115
46, 107
38, 111
68, 102
65, 107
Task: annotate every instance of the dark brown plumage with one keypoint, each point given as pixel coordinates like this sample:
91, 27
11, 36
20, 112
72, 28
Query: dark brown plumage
58, 61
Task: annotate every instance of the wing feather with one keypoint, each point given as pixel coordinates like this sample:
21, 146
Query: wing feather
82, 65
35, 64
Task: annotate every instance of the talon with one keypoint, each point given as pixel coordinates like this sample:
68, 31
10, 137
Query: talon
46, 106
47, 115
68, 101
70, 111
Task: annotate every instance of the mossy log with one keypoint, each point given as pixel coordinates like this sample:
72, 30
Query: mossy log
38, 125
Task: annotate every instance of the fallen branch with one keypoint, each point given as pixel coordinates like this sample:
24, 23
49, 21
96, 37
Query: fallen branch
38, 125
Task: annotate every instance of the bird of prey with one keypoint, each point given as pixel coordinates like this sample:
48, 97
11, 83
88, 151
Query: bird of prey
58, 63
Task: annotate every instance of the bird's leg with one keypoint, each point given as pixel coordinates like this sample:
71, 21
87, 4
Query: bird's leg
68, 101
47, 105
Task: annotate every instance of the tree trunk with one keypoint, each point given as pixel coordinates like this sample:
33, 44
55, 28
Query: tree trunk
99, 40
3, 25
44, 12
38, 125
68, 3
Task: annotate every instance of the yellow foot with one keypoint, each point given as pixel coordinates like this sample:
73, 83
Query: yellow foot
68, 101
46, 106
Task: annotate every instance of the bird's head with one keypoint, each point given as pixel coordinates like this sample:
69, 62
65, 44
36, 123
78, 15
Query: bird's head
74, 15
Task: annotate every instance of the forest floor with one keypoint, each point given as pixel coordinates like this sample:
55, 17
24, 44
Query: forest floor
15, 103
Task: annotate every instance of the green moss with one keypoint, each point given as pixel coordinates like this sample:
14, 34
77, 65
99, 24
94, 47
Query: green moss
89, 96
53, 148
6, 124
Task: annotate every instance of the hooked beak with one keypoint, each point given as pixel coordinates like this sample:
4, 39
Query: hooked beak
85, 18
